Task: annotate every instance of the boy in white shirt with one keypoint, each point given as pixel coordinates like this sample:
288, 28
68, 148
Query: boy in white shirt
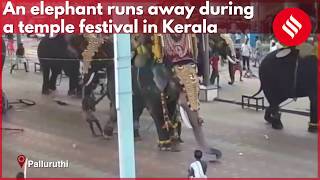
198, 169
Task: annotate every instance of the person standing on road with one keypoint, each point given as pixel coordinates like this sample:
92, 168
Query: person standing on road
246, 53
20, 57
214, 62
258, 52
198, 169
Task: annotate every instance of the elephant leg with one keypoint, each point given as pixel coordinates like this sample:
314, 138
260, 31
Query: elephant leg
45, 74
72, 70
73, 85
155, 109
54, 76
313, 125
176, 124
173, 92
88, 107
197, 127
272, 114
267, 115
138, 106
275, 117
92, 120
112, 121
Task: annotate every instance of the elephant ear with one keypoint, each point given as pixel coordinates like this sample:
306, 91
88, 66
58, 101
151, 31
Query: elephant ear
160, 76
140, 60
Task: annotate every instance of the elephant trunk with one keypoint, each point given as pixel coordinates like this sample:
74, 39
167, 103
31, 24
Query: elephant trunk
193, 117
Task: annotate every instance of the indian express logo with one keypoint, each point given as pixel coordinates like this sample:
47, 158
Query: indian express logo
292, 26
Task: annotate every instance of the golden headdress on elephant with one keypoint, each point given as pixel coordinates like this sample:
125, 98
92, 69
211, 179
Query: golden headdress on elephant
179, 51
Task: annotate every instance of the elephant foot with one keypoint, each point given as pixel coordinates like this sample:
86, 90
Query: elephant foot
276, 122
53, 88
107, 137
45, 91
72, 92
108, 132
277, 125
137, 136
165, 146
216, 152
268, 119
313, 128
162, 148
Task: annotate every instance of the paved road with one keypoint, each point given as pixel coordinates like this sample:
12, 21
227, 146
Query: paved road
51, 130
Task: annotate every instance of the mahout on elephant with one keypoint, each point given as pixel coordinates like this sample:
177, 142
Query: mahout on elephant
289, 73
55, 55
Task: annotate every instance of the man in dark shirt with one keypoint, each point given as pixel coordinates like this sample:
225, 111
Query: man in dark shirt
198, 169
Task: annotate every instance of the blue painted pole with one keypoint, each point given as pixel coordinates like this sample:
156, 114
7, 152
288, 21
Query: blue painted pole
123, 87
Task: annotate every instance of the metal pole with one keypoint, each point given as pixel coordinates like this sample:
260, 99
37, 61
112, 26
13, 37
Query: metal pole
123, 87
18, 39
205, 56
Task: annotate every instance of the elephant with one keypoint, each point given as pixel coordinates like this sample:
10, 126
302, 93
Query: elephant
143, 86
291, 76
102, 61
55, 55
281, 78
156, 79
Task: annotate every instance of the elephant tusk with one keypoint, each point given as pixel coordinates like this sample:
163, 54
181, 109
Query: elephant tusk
90, 79
231, 60
185, 117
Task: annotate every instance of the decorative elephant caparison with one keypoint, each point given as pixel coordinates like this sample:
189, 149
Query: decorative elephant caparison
291, 76
55, 55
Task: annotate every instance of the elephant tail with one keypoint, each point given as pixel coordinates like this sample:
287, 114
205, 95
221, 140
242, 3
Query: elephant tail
257, 92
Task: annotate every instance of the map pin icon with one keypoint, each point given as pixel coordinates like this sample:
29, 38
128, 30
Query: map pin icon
21, 160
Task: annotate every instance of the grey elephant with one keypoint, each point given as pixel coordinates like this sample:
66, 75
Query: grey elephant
289, 73
55, 55
285, 73
176, 58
